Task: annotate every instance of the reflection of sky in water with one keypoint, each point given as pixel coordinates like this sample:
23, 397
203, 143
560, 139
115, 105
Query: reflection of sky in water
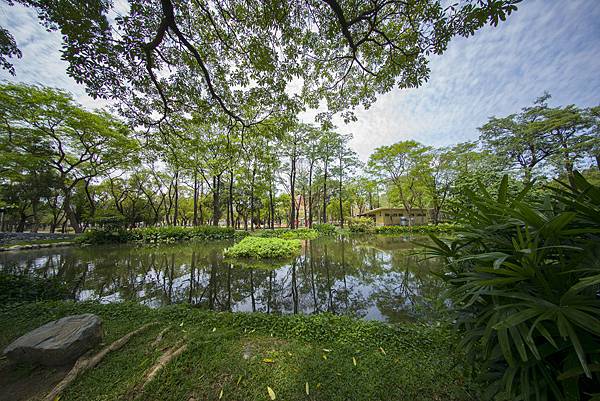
375, 278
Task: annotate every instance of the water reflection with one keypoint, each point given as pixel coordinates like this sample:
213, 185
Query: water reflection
370, 277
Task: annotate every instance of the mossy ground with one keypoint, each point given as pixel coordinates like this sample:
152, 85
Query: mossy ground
235, 356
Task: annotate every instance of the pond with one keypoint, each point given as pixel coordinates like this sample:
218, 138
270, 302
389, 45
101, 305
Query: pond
373, 277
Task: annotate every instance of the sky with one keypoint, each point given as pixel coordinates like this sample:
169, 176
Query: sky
547, 45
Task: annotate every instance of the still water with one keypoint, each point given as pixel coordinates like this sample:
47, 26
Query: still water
374, 277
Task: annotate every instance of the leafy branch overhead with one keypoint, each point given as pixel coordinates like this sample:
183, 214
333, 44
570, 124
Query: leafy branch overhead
251, 59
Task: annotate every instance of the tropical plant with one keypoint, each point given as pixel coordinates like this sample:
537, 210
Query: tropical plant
525, 279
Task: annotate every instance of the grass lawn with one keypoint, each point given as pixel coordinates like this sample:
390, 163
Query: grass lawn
236, 356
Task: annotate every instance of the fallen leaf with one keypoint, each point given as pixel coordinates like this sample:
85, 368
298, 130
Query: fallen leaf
382, 350
239, 380
306, 388
268, 360
181, 324
326, 350
221, 394
324, 356
354, 361
271, 393
214, 329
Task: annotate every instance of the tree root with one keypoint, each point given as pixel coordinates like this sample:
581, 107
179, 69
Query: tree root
173, 352
85, 363
163, 361
160, 336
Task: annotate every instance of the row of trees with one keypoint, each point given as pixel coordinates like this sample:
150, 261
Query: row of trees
63, 166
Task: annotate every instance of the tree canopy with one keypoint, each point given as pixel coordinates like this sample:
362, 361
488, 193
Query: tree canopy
249, 60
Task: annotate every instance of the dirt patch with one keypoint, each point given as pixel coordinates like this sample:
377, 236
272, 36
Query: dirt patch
18, 383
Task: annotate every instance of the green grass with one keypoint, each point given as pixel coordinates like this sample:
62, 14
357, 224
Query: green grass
264, 248
408, 362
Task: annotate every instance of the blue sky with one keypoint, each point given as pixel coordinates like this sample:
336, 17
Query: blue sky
549, 45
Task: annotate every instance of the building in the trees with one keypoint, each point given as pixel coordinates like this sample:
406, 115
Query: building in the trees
392, 216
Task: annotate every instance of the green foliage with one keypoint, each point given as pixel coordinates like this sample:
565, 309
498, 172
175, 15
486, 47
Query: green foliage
325, 229
286, 233
264, 248
525, 279
276, 233
115, 222
15, 289
300, 233
430, 228
98, 237
158, 234
357, 46
361, 225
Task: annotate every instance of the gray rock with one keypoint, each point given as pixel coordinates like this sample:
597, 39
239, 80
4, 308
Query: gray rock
58, 342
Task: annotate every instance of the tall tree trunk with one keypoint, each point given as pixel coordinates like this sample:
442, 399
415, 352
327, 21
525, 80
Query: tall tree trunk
304, 202
325, 193
70, 214
341, 203
293, 193
310, 196
176, 209
195, 220
200, 210
271, 206
252, 196
216, 200
230, 202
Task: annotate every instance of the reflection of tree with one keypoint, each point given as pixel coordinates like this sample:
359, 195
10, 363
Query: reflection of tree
356, 276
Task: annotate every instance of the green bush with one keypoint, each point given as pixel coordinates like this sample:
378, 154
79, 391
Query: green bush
15, 289
325, 228
525, 279
97, 237
264, 248
286, 233
422, 229
300, 233
361, 224
158, 234
267, 233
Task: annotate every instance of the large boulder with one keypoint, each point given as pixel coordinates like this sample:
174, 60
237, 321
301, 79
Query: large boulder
58, 342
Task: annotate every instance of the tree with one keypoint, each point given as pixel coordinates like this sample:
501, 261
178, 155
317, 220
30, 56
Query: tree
347, 161
236, 55
520, 139
399, 165
45, 124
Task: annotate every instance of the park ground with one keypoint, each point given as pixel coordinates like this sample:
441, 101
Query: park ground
243, 356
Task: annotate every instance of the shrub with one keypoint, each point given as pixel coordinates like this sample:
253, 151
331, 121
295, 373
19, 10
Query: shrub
300, 233
97, 237
158, 234
14, 289
264, 248
423, 229
325, 228
361, 224
276, 233
525, 280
